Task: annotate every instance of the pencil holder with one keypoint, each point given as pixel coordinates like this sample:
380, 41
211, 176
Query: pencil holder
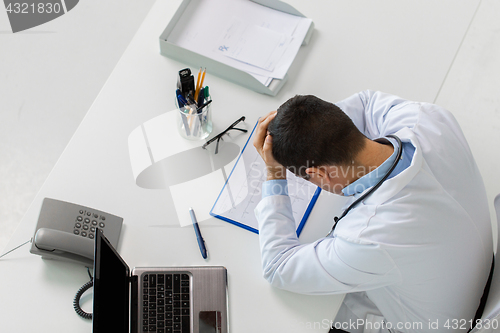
194, 120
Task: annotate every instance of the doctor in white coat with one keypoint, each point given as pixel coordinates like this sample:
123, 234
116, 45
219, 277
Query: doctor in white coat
415, 253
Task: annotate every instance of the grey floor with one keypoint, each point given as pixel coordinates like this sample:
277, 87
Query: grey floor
50, 75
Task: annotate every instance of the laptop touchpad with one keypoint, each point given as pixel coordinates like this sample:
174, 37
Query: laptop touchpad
210, 321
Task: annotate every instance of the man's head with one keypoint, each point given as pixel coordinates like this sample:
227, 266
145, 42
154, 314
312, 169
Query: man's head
310, 134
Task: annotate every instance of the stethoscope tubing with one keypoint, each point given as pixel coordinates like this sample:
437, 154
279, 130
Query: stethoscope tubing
381, 181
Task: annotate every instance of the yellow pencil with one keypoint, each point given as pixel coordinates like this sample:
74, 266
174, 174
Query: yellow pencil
197, 90
202, 79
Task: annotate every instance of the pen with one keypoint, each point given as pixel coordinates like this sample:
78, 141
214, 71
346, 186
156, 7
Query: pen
201, 107
190, 98
186, 125
190, 115
201, 97
201, 242
181, 100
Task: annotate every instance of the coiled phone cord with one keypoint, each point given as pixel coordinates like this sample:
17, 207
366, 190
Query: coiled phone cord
76, 301
83, 289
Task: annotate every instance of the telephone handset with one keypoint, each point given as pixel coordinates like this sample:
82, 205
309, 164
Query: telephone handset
66, 231
55, 240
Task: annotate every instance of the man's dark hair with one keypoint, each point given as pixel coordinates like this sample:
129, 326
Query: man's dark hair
308, 131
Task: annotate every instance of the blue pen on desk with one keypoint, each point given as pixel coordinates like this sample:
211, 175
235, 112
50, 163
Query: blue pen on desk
201, 242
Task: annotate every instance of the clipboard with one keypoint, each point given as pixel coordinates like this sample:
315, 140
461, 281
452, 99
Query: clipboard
242, 192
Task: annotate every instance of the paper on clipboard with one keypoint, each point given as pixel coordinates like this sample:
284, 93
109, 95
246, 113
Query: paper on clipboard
242, 192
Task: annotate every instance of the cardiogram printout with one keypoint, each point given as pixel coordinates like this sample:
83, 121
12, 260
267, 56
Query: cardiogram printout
243, 191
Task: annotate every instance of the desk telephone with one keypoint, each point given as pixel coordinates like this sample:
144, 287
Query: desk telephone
66, 231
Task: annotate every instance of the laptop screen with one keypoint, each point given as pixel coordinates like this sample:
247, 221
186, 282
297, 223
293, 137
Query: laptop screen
111, 289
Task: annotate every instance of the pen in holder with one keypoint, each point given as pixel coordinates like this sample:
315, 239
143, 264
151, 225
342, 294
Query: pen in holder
194, 119
193, 106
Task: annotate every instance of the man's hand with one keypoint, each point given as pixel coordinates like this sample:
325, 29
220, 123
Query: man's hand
263, 142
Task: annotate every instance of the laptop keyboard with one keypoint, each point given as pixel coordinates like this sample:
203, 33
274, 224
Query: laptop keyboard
166, 303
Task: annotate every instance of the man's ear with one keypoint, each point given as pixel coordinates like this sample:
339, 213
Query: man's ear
317, 172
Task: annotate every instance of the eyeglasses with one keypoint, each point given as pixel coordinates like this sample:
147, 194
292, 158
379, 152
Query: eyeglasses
219, 136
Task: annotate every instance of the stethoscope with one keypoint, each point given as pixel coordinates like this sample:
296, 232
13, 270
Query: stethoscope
361, 198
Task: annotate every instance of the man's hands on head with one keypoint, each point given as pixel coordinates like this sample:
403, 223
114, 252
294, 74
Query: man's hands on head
263, 142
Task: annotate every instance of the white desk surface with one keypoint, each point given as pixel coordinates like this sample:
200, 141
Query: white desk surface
398, 47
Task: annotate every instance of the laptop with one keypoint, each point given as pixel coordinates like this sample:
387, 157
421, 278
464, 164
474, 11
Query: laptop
156, 299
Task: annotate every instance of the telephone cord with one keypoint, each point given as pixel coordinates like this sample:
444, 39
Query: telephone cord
6, 253
76, 301
83, 289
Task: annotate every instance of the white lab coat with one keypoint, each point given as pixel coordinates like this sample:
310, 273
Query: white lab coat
418, 250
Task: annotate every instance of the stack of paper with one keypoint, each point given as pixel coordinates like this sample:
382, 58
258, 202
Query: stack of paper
245, 35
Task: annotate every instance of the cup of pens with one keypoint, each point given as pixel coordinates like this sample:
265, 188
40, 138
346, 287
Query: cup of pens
193, 104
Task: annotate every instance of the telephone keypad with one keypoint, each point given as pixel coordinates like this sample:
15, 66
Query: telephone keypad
86, 227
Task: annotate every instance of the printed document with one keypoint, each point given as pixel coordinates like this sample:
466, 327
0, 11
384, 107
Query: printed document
243, 34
